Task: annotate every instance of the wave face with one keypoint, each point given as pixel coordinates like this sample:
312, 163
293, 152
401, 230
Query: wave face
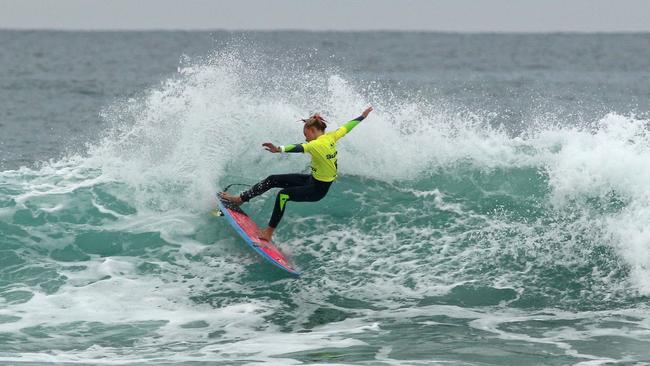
447, 237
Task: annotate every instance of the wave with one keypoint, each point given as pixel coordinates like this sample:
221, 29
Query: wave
434, 207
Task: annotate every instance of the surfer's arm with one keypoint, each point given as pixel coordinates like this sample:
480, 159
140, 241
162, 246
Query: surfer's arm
297, 148
271, 148
353, 123
348, 126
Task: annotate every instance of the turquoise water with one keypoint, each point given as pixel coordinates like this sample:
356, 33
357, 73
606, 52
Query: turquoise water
479, 218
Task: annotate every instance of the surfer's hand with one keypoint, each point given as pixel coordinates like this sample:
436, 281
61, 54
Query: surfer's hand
270, 147
366, 112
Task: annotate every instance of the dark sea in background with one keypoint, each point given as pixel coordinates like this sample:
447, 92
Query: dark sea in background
493, 210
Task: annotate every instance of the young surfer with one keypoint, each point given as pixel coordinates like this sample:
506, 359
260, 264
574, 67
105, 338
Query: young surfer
301, 187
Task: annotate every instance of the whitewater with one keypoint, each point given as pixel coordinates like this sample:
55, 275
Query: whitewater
450, 236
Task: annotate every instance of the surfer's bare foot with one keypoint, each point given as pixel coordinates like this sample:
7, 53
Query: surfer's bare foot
230, 198
266, 234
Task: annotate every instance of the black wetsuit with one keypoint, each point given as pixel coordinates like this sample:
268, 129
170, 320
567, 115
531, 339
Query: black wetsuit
297, 187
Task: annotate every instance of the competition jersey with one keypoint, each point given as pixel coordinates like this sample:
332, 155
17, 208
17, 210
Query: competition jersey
323, 155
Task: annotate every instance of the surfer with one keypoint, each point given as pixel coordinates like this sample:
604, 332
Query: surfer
301, 187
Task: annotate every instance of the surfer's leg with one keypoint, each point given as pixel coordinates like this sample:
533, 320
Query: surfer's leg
308, 193
275, 181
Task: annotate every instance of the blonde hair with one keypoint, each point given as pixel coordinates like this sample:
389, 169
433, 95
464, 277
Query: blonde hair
316, 121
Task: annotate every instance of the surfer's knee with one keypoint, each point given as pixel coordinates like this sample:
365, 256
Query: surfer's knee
282, 198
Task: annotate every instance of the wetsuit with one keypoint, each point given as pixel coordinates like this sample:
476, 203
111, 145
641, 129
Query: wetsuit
304, 187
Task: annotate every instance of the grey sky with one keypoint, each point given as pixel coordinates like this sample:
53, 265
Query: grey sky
434, 15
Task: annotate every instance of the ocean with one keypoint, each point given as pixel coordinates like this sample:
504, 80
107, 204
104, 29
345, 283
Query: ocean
492, 210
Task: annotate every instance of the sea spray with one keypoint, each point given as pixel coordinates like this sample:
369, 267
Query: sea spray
441, 226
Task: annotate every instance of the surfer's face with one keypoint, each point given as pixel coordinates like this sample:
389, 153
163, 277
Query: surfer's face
311, 133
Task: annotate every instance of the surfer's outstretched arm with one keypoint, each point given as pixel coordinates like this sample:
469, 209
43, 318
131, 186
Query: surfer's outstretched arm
300, 148
297, 148
291, 148
348, 126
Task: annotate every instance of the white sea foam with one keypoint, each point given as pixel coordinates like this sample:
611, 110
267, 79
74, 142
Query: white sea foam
609, 164
166, 153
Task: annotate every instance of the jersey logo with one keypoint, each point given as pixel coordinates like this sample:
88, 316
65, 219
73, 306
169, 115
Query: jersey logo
331, 156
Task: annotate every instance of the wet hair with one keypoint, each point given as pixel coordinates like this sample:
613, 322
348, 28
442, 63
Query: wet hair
316, 121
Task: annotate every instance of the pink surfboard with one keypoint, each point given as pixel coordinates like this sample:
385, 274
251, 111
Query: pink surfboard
247, 229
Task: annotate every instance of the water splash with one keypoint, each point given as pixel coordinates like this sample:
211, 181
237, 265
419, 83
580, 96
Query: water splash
435, 210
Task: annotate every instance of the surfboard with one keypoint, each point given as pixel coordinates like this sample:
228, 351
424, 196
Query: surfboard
247, 229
